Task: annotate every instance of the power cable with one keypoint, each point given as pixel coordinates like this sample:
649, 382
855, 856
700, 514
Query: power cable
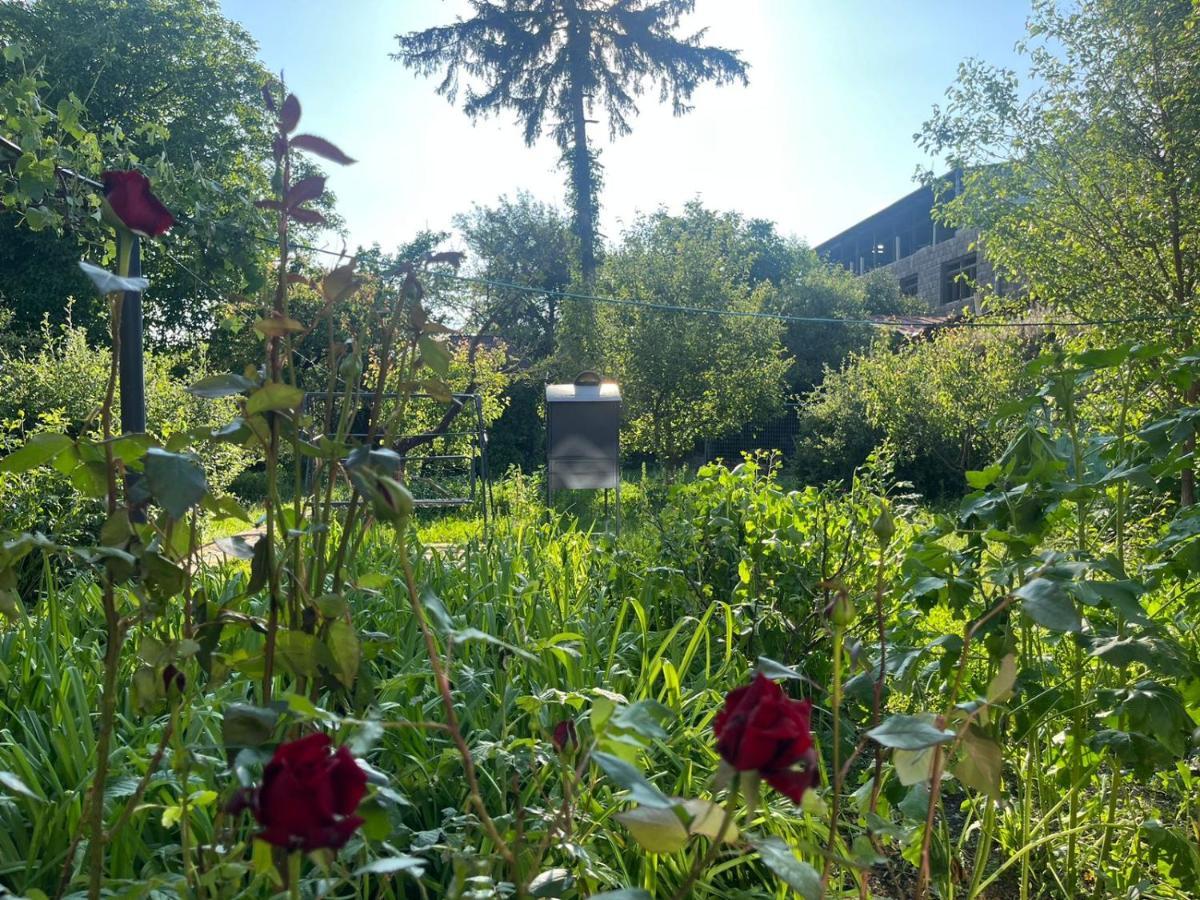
693, 310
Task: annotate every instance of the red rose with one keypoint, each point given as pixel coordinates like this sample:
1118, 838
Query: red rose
309, 794
566, 736
762, 730
129, 196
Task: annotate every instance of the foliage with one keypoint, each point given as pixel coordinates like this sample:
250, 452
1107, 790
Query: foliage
60, 386
1002, 695
554, 63
932, 402
1083, 179
518, 242
174, 89
687, 375
832, 292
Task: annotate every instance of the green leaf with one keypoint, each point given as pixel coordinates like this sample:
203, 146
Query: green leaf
555, 882
656, 830
277, 326
273, 396
1102, 359
982, 478
345, 650
390, 865
909, 732
435, 354
626, 776
979, 765
913, 766
39, 449
1157, 709
1048, 603
215, 386
175, 480
795, 873
1000, 687
15, 785
248, 726
467, 635
297, 650
623, 894
436, 610
643, 718
915, 804
776, 671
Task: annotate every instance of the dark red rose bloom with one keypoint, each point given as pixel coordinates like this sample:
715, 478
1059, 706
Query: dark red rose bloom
309, 794
565, 735
128, 193
173, 678
763, 730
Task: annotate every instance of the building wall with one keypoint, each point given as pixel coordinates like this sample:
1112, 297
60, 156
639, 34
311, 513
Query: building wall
928, 265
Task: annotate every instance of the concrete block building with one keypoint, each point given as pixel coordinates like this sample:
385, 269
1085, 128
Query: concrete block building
940, 265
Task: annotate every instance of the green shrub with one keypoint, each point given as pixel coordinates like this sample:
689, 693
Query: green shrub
59, 387
932, 400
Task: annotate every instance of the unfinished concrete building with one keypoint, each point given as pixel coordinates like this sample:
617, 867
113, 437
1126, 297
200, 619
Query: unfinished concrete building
940, 265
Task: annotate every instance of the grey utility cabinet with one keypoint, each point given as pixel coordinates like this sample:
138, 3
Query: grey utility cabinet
583, 425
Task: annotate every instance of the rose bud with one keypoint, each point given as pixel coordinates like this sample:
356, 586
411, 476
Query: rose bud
173, 680
129, 204
566, 736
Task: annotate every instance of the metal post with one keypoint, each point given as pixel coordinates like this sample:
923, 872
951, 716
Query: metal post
133, 385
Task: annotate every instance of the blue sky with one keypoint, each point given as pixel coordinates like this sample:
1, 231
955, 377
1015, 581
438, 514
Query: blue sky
821, 138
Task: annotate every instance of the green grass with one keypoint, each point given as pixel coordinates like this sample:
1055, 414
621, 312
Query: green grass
676, 612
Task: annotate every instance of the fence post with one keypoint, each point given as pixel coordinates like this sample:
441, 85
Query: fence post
131, 368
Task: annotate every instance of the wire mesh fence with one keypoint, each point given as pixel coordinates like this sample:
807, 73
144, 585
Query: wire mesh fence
779, 433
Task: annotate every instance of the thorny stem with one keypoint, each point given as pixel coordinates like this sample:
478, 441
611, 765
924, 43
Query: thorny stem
703, 862
274, 370
877, 698
839, 632
452, 725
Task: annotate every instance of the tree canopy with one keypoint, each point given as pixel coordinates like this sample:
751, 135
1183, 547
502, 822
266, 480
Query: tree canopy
686, 375
555, 63
169, 86
1083, 180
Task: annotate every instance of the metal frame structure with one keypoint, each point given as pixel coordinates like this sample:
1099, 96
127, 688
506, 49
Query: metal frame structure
480, 479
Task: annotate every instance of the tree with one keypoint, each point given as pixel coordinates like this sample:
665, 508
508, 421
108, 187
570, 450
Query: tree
518, 242
831, 292
1084, 185
688, 375
172, 87
553, 62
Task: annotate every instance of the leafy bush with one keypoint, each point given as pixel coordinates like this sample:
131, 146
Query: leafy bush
59, 387
931, 400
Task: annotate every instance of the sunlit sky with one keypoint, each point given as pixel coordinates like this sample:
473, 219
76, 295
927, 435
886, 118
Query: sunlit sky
822, 137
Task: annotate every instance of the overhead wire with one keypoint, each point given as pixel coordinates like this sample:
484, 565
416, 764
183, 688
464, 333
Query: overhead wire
880, 322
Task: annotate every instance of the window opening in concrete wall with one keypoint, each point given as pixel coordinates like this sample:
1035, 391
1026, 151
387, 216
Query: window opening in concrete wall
958, 278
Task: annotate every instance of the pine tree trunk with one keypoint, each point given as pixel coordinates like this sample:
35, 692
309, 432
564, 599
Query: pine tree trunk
579, 154
577, 327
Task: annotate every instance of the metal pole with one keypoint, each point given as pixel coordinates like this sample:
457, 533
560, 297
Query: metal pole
133, 385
